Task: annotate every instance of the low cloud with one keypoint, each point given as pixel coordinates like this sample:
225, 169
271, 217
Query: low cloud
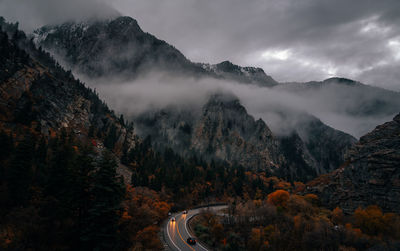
32, 14
282, 110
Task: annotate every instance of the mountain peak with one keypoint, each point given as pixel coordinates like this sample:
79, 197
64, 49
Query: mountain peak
113, 47
125, 22
343, 81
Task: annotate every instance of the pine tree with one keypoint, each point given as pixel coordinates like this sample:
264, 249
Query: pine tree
6, 146
80, 191
108, 192
111, 138
19, 174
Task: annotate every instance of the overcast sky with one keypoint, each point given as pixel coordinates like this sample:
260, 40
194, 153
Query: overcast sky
292, 40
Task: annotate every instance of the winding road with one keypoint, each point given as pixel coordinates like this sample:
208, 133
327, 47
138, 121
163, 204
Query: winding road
176, 232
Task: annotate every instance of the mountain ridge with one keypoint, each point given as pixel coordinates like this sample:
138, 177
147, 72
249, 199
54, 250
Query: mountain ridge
370, 174
73, 39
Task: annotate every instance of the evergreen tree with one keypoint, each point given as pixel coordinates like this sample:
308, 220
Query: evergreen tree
102, 221
80, 190
19, 174
6, 146
111, 138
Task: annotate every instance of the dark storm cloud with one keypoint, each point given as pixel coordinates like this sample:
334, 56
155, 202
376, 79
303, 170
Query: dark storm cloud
34, 13
292, 40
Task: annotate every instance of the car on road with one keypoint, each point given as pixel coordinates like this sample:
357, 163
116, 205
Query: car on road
191, 241
173, 219
185, 212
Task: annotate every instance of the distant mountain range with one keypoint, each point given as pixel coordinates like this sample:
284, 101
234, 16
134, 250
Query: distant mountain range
357, 99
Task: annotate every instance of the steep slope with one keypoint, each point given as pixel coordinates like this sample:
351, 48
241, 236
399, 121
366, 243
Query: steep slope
119, 48
110, 47
37, 94
327, 145
371, 174
224, 130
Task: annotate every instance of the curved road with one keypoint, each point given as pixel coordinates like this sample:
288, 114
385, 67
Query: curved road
177, 232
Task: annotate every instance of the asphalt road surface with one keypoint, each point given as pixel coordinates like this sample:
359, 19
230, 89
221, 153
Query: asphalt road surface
177, 231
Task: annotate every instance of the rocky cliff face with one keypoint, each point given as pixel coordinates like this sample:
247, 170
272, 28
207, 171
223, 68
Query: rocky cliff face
371, 174
326, 145
221, 130
224, 130
111, 47
37, 94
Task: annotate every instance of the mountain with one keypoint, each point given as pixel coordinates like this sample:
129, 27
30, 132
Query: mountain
119, 48
357, 99
223, 130
37, 95
345, 104
370, 175
111, 47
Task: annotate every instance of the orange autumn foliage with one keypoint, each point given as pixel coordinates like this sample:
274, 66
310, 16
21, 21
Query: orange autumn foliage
312, 198
370, 220
279, 198
148, 237
299, 186
297, 221
283, 185
337, 216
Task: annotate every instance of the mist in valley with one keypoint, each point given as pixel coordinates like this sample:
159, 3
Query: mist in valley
282, 110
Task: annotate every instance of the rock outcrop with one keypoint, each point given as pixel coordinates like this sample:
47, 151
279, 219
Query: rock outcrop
225, 130
371, 174
221, 130
249, 75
